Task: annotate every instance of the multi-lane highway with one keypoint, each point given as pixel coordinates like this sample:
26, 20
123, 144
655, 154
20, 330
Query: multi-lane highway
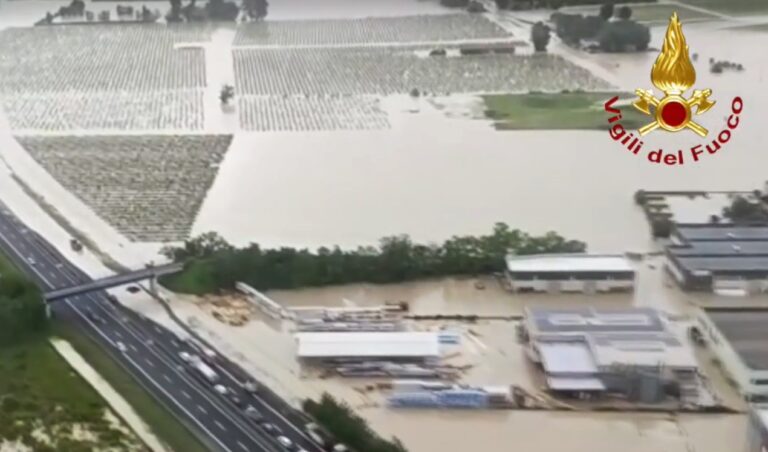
151, 353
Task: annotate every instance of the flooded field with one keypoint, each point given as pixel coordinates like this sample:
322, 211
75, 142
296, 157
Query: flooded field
351, 188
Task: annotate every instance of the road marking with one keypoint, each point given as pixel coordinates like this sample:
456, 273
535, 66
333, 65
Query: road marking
220, 425
186, 394
243, 446
167, 378
20, 256
146, 360
117, 333
202, 410
133, 347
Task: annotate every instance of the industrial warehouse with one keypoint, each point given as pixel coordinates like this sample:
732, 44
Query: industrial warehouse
720, 258
738, 338
626, 352
587, 273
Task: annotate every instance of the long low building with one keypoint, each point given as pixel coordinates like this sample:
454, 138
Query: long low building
719, 257
588, 273
368, 346
738, 337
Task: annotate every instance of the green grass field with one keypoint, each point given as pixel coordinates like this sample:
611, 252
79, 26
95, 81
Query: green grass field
163, 424
39, 391
564, 111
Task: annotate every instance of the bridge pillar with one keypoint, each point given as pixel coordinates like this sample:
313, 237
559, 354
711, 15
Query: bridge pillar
153, 286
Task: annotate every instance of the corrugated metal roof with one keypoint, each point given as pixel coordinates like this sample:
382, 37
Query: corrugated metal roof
729, 263
396, 344
726, 232
569, 263
732, 248
747, 332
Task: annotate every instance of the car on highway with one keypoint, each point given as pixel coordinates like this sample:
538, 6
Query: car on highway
235, 399
221, 389
253, 413
285, 442
31, 260
132, 289
121, 346
186, 357
94, 317
271, 428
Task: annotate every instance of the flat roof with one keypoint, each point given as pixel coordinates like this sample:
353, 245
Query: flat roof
747, 332
368, 344
575, 384
566, 357
569, 263
735, 248
725, 263
722, 232
646, 350
588, 320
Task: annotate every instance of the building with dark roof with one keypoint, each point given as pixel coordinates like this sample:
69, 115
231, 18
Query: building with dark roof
739, 338
719, 257
724, 232
757, 433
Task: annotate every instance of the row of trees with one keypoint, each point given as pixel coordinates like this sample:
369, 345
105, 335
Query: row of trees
619, 35
22, 308
215, 265
349, 428
216, 10
548, 4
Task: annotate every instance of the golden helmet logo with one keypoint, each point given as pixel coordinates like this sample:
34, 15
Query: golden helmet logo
673, 74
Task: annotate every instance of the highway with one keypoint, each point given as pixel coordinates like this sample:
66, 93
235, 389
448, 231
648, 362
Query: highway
149, 352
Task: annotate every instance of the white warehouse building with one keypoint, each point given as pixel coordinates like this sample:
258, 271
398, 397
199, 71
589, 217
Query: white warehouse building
587, 273
408, 346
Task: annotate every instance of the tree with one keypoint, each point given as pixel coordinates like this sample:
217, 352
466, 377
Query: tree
255, 9
624, 13
540, 35
502, 4
606, 11
624, 35
174, 15
227, 93
221, 10
455, 3
743, 210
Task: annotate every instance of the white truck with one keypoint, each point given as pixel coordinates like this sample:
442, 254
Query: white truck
204, 369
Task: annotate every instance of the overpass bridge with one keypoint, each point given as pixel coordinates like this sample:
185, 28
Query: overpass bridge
113, 281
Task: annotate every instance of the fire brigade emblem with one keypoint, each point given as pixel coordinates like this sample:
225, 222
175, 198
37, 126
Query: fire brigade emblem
673, 74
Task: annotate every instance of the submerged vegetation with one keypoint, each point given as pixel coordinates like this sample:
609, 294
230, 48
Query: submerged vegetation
557, 111
352, 430
214, 265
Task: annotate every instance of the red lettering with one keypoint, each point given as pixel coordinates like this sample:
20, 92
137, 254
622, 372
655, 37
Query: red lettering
733, 126
609, 106
737, 100
670, 159
727, 136
696, 153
